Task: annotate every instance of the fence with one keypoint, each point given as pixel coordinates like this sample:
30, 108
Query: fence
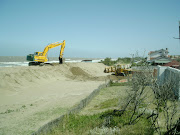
83, 103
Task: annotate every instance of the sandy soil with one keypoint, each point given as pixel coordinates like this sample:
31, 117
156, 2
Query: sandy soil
32, 96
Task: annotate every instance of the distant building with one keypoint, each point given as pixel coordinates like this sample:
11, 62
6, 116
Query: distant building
158, 53
158, 57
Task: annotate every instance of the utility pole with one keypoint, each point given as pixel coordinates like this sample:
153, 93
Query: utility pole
179, 32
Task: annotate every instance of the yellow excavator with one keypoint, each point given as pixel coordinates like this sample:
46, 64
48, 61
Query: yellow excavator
38, 58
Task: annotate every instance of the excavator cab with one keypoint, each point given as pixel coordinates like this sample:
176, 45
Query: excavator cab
38, 53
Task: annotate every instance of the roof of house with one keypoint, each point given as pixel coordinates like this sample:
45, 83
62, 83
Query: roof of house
173, 63
160, 59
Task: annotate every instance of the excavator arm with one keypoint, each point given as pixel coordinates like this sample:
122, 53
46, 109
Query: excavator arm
62, 49
52, 45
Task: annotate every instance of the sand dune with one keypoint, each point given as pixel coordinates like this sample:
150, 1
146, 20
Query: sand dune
25, 76
32, 96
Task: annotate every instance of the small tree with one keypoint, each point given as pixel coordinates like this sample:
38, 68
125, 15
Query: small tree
165, 101
136, 99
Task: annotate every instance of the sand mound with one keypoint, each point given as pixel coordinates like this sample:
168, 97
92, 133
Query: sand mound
93, 69
78, 71
26, 76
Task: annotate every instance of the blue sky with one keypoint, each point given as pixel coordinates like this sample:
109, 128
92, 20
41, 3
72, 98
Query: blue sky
91, 28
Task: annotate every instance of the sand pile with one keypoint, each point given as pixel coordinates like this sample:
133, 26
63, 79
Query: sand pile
93, 69
24, 76
77, 71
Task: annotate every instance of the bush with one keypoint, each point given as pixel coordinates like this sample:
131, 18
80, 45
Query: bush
125, 60
107, 61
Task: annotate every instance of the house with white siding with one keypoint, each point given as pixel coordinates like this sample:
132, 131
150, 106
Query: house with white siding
158, 57
155, 54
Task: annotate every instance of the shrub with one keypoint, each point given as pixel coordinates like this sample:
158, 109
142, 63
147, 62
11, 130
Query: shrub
107, 61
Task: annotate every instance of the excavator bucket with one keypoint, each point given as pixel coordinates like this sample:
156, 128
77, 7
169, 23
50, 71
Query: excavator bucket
60, 60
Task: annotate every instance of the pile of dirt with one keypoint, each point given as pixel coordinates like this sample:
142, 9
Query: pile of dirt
77, 71
23, 76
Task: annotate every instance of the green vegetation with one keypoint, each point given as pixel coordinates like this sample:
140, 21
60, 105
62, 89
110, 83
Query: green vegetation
99, 117
125, 60
124, 108
107, 61
77, 124
13, 110
90, 124
23, 106
107, 104
86, 124
7, 111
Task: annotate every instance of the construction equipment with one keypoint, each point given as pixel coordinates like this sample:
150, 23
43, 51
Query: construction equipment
122, 71
119, 70
38, 58
109, 69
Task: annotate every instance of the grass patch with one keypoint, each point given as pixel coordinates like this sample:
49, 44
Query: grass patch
96, 124
119, 84
103, 123
108, 98
77, 124
108, 103
98, 118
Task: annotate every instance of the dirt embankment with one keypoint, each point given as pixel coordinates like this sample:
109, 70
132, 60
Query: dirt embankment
12, 78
